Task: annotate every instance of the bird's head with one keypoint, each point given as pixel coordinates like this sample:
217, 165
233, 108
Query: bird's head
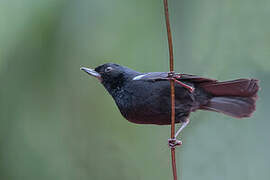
111, 75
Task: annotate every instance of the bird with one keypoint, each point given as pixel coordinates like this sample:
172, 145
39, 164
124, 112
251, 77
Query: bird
144, 98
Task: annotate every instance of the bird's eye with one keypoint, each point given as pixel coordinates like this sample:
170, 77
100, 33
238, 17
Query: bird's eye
108, 69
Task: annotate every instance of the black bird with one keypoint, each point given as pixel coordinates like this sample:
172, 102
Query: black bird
144, 98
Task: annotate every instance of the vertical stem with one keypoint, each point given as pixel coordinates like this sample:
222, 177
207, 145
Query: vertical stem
173, 129
169, 34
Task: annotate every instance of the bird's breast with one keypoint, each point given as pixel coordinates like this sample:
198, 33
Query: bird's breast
145, 102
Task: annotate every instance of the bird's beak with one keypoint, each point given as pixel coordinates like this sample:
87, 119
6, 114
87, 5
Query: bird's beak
91, 72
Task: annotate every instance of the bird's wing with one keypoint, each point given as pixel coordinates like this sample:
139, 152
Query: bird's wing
152, 76
164, 76
194, 78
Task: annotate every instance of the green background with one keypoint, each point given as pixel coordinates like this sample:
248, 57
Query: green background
57, 123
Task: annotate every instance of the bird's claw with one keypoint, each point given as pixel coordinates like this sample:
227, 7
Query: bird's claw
174, 142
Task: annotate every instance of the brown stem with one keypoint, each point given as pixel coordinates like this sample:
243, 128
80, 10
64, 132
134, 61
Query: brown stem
173, 128
172, 86
169, 34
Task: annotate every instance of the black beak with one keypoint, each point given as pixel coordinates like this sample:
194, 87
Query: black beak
91, 72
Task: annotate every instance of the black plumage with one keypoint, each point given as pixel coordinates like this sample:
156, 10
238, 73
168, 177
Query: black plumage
144, 98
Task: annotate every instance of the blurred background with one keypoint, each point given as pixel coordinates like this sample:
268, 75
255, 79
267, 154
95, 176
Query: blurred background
58, 123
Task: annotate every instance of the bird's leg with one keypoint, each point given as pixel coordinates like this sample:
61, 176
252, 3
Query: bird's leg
190, 88
183, 125
172, 75
175, 142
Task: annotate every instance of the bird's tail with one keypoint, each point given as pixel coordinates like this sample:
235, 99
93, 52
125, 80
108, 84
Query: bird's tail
234, 98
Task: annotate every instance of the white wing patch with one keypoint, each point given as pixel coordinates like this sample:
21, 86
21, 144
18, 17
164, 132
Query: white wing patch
139, 77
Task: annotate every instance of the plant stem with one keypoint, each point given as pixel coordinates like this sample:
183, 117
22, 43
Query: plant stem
169, 34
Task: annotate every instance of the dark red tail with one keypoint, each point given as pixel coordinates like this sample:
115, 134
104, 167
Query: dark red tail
234, 98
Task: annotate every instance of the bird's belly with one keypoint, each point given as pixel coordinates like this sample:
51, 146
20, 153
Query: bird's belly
148, 115
150, 104
152, 113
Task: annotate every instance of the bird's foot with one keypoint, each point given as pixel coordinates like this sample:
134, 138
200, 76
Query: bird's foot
174, 142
